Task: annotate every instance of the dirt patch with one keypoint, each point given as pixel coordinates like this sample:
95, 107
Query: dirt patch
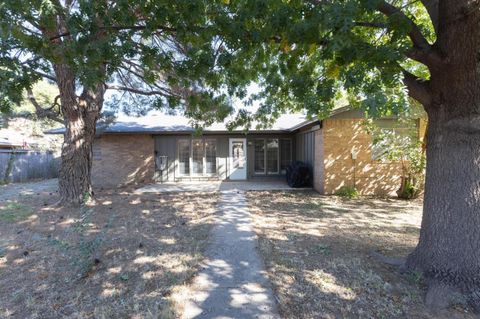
317, 251
118, 258
15, 191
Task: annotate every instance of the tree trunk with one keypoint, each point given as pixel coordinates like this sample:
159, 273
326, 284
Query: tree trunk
76, 165
80, 116
448, 253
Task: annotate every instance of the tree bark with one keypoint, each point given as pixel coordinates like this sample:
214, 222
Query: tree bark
448, 252
80, 115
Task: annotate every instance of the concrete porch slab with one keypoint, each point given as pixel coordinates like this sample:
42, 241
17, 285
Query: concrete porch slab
214, 186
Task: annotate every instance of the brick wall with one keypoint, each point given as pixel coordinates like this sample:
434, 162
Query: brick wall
122, 159
370, 177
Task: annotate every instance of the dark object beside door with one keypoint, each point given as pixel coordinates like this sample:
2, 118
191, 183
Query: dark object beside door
299, 175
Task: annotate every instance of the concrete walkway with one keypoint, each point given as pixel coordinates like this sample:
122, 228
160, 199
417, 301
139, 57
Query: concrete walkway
232, 283
214, 186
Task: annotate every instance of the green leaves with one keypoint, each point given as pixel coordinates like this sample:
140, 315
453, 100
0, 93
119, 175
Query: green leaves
304, 54
192, 54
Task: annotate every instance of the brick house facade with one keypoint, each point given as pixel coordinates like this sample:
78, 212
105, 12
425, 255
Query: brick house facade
338, 150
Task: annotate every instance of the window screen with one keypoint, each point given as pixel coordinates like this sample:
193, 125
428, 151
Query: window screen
259, 156
184, 157
272, 156
197, 156
210, 157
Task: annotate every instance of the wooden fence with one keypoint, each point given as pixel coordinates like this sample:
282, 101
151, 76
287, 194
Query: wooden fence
22, 166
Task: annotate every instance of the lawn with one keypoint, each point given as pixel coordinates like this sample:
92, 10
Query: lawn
119, 258
317, 252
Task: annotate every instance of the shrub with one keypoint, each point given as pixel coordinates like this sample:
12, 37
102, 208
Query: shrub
347, 192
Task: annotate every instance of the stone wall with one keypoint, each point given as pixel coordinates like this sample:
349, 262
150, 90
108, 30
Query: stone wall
123, 159
341, 137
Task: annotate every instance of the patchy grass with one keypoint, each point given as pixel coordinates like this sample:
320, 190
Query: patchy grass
13, 212
317, 252
119, 258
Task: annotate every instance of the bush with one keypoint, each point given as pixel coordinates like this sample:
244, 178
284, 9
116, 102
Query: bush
347, 192
410, 188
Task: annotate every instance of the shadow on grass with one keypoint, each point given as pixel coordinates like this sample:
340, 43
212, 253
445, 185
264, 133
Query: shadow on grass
118, 258
317, 250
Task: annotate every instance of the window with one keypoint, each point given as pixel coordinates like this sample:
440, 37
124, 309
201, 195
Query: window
238, 154
285, 154
267, 156
197, 157
184, 157
272, 156
387, 140
259, 156
210, 157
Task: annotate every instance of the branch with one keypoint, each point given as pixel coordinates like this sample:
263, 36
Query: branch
45, 113
117, 28
137, 91
45, 75
418, 89
422, 51
370, 24
432, 9
415, 34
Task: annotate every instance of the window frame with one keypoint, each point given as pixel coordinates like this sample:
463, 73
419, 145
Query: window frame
205, 140
189, 156
255, 172
277, 172
204, 157
265, 155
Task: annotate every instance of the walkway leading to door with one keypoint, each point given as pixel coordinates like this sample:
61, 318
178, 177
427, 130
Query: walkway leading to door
232, 283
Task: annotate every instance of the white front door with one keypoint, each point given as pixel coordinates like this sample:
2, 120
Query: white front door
238, 159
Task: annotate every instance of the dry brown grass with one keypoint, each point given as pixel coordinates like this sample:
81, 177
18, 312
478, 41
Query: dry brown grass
120, 258
317, 252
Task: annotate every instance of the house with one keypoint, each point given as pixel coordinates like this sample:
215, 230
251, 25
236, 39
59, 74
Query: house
163, 148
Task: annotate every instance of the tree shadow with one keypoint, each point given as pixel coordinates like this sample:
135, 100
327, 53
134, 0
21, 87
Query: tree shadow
318, 253
123, 258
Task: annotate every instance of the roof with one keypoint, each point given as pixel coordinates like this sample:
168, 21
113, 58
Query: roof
167, 124
159, 123
6, 143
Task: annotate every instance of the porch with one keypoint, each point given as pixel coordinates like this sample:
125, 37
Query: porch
216, 186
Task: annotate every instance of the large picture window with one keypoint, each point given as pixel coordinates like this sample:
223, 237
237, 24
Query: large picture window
197, 157
272, 156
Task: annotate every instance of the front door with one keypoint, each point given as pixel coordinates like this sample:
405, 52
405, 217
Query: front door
238, 159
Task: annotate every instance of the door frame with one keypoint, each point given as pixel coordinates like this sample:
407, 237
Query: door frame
230, 157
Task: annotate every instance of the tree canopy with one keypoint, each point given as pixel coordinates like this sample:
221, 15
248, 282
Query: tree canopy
150, 52
307, 54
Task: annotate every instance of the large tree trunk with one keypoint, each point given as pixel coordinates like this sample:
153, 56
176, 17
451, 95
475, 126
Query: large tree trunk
80, 115
448, 253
